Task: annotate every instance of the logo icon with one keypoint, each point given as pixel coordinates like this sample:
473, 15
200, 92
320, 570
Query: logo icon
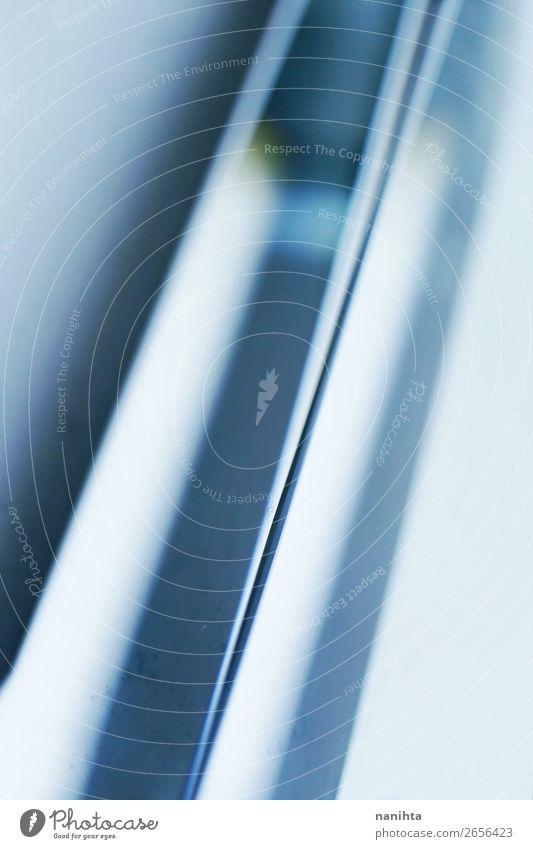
32, 822
267, 390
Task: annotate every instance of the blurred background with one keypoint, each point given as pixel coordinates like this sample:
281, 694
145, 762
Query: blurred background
266, 476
